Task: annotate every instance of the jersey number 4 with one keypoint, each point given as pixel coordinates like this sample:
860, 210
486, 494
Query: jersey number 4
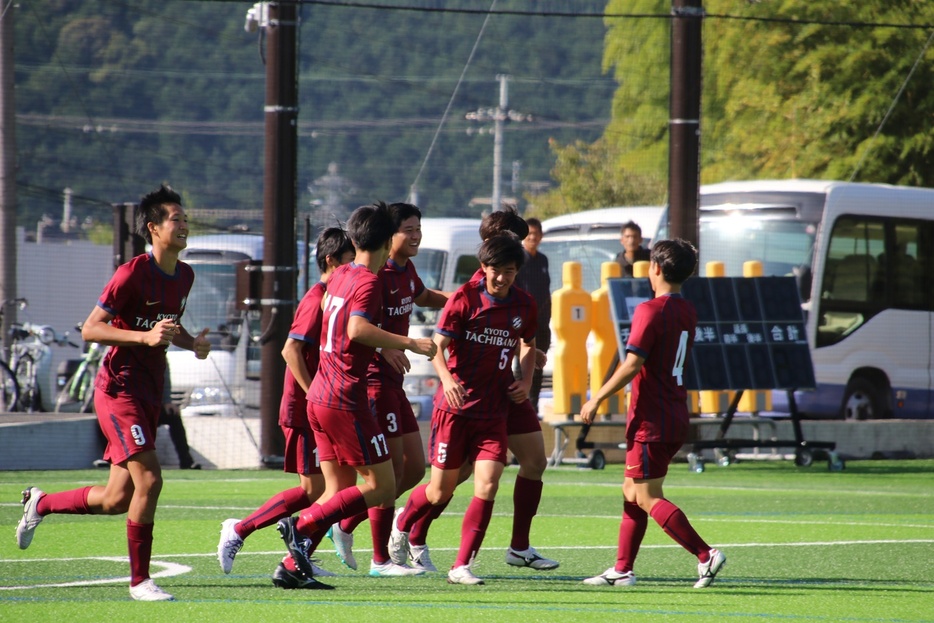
678, 370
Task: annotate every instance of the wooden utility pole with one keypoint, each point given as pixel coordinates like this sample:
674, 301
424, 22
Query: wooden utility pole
684, 121
279, 207
7, 173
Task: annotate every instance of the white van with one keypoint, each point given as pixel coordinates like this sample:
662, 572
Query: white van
591, 237
446, 260
863, 255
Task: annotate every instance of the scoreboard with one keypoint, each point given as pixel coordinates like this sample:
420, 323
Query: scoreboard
750, 331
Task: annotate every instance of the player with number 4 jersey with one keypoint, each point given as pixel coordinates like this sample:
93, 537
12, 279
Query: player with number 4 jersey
659, 345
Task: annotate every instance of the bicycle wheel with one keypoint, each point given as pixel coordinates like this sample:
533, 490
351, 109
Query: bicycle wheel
29, 398
9, 388
87, 390
70, 395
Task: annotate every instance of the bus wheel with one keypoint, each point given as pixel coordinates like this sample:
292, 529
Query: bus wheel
862, 400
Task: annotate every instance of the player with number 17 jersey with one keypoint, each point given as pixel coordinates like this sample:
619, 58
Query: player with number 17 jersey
662, 333
341, 379
485, 334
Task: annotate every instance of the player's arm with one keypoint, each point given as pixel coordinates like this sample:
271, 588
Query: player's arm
623, 375
97, 328
361, 330
434, 299
519, 390
294, 358
197, 343
454, 392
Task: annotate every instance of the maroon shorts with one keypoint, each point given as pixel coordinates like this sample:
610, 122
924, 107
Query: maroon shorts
522, 419
392, 410
128, 424
348, 437
301, 453
647, 460
456, 439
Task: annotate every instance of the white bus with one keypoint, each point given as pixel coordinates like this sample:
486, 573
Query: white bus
862, 254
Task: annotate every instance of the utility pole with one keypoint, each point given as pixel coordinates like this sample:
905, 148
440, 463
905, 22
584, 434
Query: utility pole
499, 116
684, 121
8, 287
280, 20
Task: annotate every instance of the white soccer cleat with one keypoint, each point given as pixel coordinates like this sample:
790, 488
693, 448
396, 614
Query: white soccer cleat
148, 591
26, 527
612, 577
709, 570
463, 575
229, 544
343, 545
392, 570
398, 541
418, 554
529, 558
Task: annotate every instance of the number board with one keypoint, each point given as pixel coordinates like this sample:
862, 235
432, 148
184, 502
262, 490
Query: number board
750, 331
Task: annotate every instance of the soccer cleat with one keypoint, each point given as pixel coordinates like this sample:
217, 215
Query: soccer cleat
343, 545
148, 591
296, 545
229, 544
283, 578
398, 541
529, 558
709, 570
612, 577
418, 554
463, 575
390, 569
26, 527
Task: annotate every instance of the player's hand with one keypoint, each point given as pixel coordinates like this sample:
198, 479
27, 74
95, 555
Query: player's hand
589, 410
162, 334
518, 392
201, 345
454, 393
541, 358
396, 360
424, 346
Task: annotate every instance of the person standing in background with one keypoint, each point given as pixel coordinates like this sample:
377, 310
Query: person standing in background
533, 277
630, 236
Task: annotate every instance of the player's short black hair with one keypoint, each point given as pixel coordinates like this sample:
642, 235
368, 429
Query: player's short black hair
332, 242
506, 219
371, 226
403, 212
501, 250
152, 209
677, 258
533, 222
630, 225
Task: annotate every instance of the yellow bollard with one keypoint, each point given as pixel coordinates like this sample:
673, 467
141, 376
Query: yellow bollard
754, 401
640, 270
571, 309
605, 344
713, 401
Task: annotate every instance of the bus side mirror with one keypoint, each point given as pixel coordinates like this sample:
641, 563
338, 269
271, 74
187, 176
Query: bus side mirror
249, 284
804, 277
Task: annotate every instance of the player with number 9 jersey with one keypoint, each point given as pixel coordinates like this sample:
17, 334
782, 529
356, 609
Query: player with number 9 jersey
663, 334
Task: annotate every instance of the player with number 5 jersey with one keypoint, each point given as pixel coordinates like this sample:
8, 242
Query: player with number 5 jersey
659, 345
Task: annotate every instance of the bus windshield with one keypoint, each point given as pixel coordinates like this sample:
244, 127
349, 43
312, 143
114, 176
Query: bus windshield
430, 266
785, 247
211, 303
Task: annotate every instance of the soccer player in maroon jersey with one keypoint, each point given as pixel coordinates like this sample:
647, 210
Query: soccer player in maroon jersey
138, 316
659, 345
349, 439
525, 441
332, 249
481, 327
401, 287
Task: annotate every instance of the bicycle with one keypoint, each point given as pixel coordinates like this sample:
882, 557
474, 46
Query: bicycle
78, 393
9, 386
29, 351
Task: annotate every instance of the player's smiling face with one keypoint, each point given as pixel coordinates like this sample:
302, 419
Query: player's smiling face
172, 232
499, 279
406, 241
